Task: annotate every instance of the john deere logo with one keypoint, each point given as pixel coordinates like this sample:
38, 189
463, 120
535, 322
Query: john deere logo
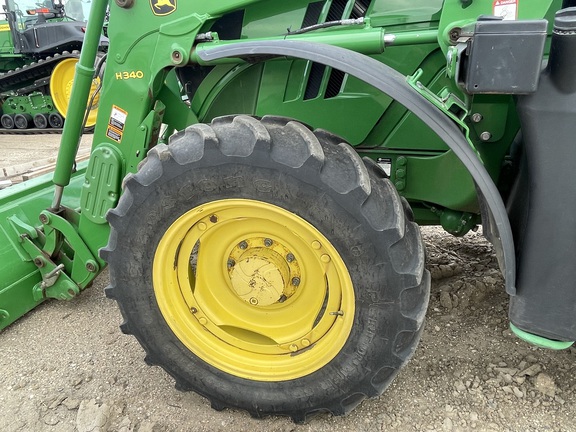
163, 7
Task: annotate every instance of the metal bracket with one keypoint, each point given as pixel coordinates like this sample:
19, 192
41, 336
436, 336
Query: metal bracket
447, 102
60, 280
55, 283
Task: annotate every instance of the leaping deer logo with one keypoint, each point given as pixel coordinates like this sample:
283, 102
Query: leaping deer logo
163, 7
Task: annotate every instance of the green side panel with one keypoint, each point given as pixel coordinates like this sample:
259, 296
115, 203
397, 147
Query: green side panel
413, 13
18, 274
228, 90
286, 90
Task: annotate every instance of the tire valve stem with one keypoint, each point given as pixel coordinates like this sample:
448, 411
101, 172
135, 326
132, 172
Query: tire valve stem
337, 313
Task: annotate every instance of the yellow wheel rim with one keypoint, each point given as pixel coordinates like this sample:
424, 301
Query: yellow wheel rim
61, 82
253, 290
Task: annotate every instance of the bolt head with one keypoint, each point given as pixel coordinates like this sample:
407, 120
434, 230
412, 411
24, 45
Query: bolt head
477, 117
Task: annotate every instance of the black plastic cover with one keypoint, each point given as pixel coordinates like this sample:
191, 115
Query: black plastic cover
505, 57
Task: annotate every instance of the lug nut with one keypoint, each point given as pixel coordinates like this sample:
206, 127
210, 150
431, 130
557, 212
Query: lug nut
268, 242
243, 245
296, 281
290, 258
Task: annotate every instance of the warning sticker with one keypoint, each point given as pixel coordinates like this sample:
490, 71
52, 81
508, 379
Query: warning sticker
114, 134
507, 9
118, 118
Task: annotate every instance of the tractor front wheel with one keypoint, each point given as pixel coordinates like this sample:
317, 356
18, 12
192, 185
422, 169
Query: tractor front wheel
267, 267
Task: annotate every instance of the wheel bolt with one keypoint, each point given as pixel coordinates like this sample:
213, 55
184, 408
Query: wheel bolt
296, 281
243, 245
231, 263
290, 258
268, 242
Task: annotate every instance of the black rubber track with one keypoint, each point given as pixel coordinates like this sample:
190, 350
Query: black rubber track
322, 180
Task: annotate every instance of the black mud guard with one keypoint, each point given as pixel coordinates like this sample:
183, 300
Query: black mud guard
392, 83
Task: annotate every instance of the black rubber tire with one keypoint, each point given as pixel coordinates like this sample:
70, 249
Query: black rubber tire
7, 121
55, 120
23, 121
41, 121
320, 179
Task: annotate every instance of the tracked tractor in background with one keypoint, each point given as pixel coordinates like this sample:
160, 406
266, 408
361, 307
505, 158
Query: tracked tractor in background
40, 46
258, 171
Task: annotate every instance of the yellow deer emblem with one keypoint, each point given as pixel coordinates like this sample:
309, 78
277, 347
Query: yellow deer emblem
163, 7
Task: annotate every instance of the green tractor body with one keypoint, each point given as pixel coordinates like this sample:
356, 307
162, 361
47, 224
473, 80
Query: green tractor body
259, 169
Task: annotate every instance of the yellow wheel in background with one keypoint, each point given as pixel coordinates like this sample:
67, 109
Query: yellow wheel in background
267, 297
61, 82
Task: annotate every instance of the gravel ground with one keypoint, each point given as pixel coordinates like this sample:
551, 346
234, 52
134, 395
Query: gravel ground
67, 367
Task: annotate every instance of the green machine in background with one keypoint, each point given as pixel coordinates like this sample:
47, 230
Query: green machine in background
259, 170
40, 45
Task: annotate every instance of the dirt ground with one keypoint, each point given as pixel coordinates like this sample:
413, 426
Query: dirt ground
67, 367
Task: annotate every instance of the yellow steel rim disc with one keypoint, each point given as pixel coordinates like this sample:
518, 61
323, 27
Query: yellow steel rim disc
253, 290
61, 82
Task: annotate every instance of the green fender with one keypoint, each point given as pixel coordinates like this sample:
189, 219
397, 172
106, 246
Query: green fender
389, 81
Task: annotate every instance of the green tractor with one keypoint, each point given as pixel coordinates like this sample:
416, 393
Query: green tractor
40, 45
259, 170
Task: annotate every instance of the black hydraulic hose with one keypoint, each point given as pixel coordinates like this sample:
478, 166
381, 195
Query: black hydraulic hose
328, 24
99, 66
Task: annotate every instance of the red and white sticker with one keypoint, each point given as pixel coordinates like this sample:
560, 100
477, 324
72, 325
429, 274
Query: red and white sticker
507, 9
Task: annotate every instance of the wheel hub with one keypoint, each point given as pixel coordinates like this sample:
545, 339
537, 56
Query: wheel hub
263, 271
